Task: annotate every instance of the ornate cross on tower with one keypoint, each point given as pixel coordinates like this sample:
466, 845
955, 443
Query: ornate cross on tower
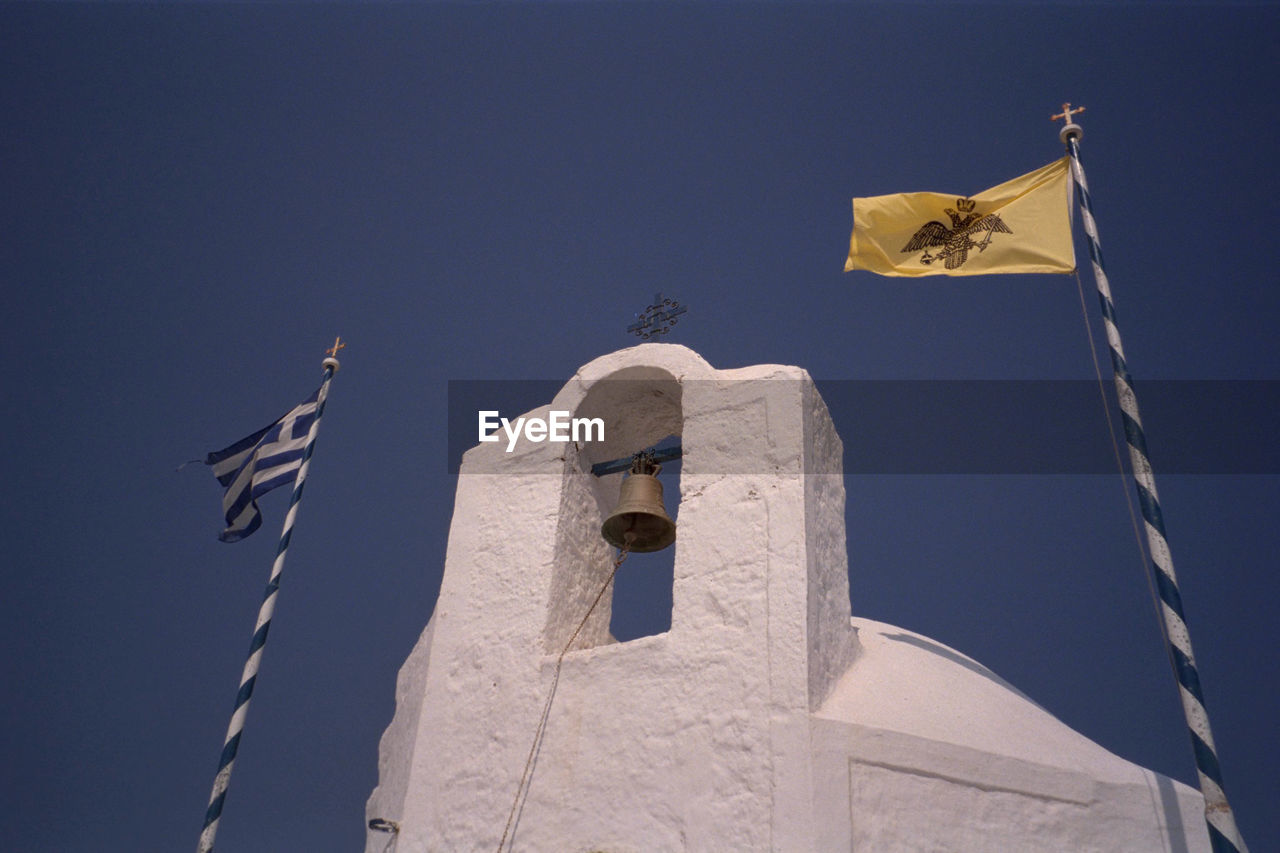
658, 318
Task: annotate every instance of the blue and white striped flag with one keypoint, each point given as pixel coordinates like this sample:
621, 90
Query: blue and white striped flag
258, 463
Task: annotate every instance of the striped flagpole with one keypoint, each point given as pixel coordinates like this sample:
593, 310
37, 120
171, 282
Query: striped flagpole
1223, 834
250, 674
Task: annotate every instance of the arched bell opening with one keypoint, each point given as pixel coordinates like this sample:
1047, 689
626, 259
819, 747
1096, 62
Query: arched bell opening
642, 589
639, 408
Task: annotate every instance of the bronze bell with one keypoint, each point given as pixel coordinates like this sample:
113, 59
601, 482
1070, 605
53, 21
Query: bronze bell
640, 522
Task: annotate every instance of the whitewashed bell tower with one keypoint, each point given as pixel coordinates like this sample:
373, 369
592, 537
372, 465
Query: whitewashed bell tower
766, 718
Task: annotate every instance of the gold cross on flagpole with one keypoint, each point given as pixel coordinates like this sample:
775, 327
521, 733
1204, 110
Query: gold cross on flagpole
337, 345
1066, 113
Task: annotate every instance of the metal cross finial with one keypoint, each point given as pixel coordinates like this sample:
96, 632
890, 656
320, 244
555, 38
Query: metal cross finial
1066, 113
331, 363
1070, 130
658, 318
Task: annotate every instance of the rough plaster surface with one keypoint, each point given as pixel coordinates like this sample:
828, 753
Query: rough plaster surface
766, 718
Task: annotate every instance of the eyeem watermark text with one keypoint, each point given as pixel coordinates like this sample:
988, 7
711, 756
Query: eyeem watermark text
558, 427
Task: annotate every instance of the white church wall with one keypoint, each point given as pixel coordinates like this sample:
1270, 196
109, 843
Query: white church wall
760, 720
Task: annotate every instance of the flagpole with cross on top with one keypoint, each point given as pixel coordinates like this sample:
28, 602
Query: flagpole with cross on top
250, 673
1223, 834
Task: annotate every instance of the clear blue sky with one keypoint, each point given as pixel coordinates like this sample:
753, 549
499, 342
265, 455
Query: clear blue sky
198, 197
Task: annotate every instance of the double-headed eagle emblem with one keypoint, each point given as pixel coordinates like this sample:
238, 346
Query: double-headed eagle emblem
955, 242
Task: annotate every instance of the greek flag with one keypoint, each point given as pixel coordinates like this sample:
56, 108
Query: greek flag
258, 463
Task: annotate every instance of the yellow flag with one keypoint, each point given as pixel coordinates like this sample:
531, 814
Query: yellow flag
1023, 225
